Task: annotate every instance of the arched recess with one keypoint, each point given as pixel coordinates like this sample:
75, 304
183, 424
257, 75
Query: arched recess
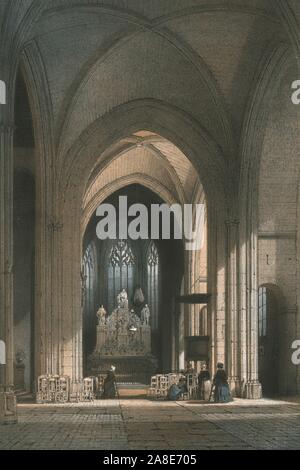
271, 68
155, 266
271, 322
278, 173
203, 153
269, 226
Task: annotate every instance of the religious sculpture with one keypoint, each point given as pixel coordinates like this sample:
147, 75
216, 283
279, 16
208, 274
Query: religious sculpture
124, 338
138, 298
122, 299
122, 333
101, 315
145, 315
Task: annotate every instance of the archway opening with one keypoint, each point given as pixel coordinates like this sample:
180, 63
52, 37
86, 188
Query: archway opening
151, 273
268, 339
149, 170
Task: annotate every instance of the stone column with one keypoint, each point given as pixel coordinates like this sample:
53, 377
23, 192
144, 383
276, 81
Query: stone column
7, 399
251, 388
216, 285
232, 317
54, 313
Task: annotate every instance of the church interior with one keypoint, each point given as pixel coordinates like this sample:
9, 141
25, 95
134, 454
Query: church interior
188, 102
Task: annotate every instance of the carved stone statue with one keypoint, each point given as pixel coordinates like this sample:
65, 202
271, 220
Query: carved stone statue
138, 298
101, 315
145, 315
122, 299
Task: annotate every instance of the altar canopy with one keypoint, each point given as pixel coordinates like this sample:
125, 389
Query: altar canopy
124, 339
123, 333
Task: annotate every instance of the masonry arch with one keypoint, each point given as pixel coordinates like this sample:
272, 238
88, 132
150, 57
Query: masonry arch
83, 157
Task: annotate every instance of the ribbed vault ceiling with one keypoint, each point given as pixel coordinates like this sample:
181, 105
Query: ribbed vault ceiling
201, 56
146, 153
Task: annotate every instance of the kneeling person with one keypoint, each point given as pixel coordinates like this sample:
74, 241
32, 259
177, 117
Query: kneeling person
177, 390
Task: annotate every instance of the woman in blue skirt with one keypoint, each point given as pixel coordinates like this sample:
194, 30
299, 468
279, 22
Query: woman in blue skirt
222, 392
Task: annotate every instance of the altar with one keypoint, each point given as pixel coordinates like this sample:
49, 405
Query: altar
123, 339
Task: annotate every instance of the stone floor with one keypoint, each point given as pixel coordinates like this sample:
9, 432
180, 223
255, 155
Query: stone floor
143, 424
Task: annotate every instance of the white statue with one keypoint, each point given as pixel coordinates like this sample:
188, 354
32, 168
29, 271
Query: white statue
138, 298
122, 299
101, 315
145, 315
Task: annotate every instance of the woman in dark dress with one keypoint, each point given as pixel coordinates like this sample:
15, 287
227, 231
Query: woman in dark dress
222, 392
109, 385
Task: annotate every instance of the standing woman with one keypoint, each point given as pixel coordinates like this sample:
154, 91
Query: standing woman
109, 385
204, 383
222, 392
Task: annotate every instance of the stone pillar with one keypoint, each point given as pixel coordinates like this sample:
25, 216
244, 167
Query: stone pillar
232, 317
216, 285
8, 411
188, 314
53, 326
253, 386
250, 385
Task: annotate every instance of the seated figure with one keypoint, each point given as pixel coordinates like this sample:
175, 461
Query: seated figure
177, 390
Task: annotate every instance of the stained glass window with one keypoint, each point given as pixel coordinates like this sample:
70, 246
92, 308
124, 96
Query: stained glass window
153, 283
121, 264
203, 323
262, 311
87, 275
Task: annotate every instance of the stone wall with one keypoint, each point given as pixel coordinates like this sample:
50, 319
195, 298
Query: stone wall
278, 217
